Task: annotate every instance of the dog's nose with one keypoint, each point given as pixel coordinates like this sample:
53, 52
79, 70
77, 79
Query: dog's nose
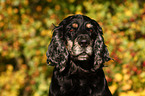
83, 40
84, 43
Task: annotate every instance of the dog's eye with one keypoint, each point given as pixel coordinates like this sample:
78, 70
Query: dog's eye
88, 25
75, 25
91, 30
71, 30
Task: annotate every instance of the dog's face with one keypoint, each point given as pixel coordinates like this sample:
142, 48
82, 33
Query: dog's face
79, 35
77, 38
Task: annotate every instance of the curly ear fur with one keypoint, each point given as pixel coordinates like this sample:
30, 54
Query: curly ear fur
100, 50
57, 54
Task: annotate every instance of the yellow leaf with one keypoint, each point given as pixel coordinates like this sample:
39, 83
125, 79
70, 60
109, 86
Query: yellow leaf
2, 24
113, 88
49, 33
135, 58
16, 10
133, 25
124, 70
1, 17
123, 94
126, 87
112, 41
128, 13
9, 10
10, 68
142, 93
118, 77
36, 94
126, 77
43, 87
132, 93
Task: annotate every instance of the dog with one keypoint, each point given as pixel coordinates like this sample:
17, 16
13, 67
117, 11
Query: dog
78, 52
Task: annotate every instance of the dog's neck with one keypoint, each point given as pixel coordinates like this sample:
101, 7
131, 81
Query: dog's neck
81, 67
86, 65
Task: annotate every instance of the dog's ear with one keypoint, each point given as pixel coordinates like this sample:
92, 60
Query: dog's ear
100, 50
57, 53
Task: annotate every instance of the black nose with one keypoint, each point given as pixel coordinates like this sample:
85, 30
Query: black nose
83, 40
84, 43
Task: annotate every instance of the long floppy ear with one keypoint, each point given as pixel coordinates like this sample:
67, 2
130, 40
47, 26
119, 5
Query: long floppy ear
57, 54
100, 50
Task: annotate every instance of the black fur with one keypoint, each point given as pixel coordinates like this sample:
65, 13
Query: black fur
74, 75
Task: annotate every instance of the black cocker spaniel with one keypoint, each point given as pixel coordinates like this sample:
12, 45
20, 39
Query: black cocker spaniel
78, 52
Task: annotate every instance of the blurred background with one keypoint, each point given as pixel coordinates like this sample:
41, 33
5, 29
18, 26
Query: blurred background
26, 30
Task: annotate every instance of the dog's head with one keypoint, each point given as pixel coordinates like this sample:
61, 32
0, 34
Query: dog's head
77, 38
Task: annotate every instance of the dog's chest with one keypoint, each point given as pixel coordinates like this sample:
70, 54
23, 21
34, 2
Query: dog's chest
77, 85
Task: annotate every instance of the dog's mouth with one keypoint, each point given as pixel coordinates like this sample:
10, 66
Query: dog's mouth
82, 57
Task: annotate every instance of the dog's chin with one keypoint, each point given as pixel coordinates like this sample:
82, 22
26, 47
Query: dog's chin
83, 57
84, 61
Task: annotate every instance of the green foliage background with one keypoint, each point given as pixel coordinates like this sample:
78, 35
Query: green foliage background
25, 33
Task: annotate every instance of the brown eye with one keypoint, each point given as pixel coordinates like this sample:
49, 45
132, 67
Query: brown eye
75, 25
89, 25
71, 30
91, 30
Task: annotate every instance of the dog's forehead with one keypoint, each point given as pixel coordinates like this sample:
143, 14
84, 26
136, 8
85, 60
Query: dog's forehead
80, 19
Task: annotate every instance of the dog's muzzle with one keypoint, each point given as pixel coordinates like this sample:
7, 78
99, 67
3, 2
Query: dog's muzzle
83, 40
82, 48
